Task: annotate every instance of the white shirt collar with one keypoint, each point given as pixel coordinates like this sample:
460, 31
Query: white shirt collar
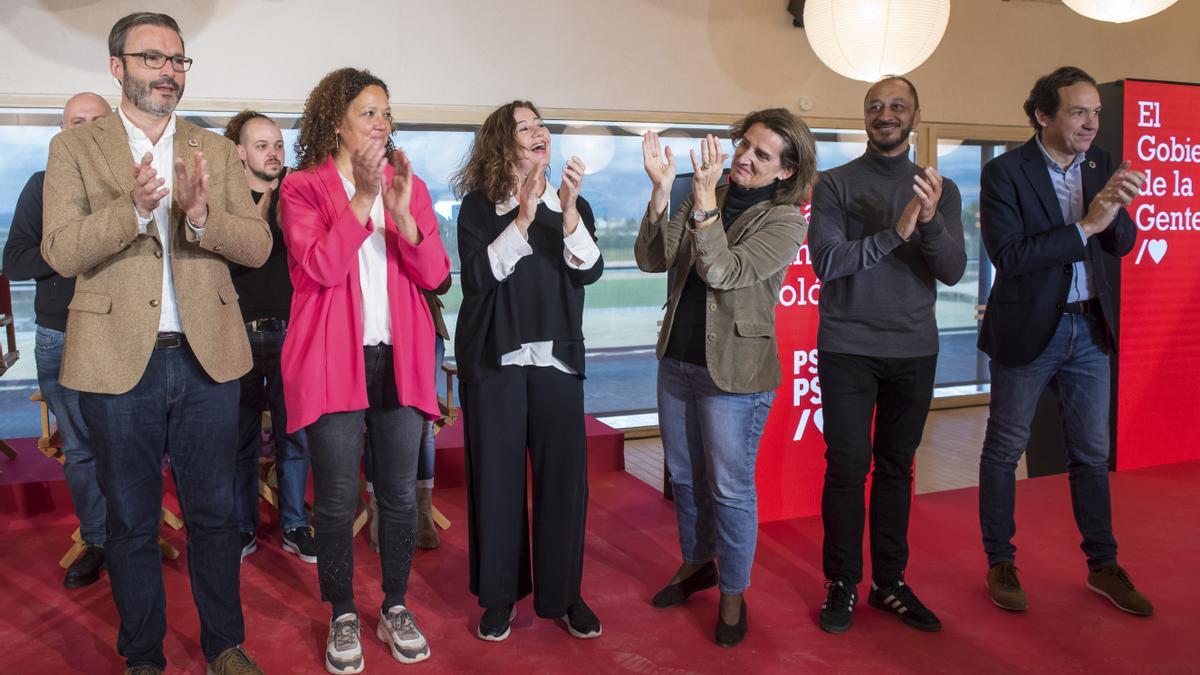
549, 198
137, 134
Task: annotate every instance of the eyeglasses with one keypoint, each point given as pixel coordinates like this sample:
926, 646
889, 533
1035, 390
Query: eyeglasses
156, 60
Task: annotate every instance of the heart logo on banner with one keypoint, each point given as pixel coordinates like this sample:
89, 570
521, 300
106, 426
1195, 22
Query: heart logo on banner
1157, 249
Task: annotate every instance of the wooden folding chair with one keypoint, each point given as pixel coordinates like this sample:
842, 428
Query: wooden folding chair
8, 346
50, 443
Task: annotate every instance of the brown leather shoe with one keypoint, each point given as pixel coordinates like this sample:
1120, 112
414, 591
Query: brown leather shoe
233, 661
1005, 588
1114, 583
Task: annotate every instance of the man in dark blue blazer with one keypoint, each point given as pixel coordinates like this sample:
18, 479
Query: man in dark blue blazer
1048, 210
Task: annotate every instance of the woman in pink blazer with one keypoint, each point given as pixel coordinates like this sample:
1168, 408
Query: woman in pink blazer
362, 243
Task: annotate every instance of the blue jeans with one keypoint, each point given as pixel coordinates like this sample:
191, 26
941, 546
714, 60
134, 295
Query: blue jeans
1075, 364
80, 465
263, 387
175, 408
710, 438
425, 461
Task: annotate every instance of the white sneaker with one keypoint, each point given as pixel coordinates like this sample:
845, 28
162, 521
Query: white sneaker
343, 650
399, 630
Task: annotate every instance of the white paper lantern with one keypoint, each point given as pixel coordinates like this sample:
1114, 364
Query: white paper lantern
867, 39
1118, 11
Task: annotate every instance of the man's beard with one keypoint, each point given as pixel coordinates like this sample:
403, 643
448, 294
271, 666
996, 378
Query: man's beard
265, 174
889, 146
142, 96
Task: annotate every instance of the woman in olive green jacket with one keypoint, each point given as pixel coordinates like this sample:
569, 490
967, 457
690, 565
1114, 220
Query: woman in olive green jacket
719, 364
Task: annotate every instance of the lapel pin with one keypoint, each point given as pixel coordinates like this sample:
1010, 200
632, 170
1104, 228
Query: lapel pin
195, 144
1091, 164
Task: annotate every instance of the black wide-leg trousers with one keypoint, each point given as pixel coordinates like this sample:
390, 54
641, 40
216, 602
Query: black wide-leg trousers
539, 409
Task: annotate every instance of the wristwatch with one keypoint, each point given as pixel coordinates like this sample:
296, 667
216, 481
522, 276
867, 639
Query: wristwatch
700, 215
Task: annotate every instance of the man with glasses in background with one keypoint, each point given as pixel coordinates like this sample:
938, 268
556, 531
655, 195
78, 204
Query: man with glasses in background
23, 260
147, 210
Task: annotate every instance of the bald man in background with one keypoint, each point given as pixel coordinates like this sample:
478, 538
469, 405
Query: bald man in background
23, 260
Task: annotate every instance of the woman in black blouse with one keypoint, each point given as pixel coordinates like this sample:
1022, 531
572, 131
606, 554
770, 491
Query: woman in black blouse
526, 252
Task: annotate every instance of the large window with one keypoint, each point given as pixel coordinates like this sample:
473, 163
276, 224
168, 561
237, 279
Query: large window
622, 309
960, 156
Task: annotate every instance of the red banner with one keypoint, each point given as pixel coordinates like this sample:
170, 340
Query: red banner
1159, 354
791, 455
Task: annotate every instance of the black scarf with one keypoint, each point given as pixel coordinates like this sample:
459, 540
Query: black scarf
738, 199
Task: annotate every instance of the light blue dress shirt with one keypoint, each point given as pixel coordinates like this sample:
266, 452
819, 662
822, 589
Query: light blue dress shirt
1068, 188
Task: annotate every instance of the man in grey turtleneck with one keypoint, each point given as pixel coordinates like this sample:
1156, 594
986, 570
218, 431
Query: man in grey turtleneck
883, 230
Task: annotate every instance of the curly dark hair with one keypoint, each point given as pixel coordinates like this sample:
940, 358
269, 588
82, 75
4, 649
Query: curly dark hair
488, 166
323, 112
1044, 95
799, 152
233, 130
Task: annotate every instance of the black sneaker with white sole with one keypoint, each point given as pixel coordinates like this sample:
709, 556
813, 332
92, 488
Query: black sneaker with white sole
838, 609
249, 544
300, 541
581, 621
899, 599
495, 624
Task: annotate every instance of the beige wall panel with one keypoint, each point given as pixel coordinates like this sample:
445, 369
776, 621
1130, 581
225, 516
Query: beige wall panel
690, 56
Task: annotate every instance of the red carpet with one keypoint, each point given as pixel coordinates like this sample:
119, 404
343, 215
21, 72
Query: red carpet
632, 551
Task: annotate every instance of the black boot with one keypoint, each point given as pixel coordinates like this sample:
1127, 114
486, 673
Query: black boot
86, 569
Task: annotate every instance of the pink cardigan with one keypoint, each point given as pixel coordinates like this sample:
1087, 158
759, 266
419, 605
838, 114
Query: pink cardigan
322, 361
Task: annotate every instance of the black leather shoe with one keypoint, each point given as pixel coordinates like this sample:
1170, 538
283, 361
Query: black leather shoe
727, 635
86, 569
674, 594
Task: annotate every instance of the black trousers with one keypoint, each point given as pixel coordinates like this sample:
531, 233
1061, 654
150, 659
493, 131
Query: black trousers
335, 443
897, 393
539, 408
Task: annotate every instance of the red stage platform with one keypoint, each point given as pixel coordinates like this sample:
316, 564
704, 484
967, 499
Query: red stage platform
632, 551
605, 449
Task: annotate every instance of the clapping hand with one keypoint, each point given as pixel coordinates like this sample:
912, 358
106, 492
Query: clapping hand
366, 164
191, 190
568, 192
660, 167
148, 188
529, 192
708, 169
908, 218
397, 197
928, 186
1121, 189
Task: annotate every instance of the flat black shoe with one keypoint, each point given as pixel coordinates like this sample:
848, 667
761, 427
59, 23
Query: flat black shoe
899, 599
86, 569
727, 635
674, 594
